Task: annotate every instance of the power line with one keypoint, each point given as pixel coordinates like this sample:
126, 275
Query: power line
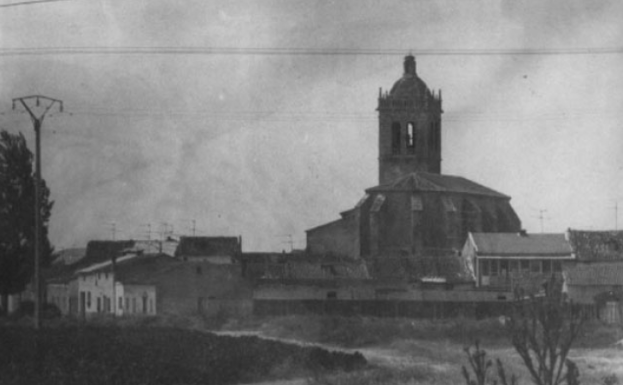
29, 3
333, 116
291, 51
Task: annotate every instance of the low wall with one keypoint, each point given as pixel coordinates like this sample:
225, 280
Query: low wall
381, 308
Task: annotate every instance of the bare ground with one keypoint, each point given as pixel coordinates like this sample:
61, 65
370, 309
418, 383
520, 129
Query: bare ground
442, 360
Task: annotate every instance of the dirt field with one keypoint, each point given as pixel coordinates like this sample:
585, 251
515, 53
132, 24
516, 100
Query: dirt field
438, 360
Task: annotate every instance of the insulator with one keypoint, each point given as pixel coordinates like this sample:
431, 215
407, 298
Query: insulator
13, 104
61, 107
37, 102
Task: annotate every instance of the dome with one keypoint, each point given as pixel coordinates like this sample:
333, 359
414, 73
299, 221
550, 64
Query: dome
410, 84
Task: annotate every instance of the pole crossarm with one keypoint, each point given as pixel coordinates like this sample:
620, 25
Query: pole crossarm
38, 99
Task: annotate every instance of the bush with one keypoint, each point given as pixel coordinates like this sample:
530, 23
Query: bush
542, 330
27, 309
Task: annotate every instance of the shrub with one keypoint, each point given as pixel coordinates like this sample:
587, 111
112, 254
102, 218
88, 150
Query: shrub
542, 330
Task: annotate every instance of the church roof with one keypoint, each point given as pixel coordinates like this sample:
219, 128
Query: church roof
424, 181
514, 244
409, 85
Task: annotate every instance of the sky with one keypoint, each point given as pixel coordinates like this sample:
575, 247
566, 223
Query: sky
246, 133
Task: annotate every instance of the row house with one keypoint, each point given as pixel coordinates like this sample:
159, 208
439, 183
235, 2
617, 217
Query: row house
131, 278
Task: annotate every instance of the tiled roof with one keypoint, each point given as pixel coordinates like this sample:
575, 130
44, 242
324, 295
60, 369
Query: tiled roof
208, 246
71, 255
595, 274
135, 268
597, 245
106, 264
514, 244
145, 269
101, 251
423, 181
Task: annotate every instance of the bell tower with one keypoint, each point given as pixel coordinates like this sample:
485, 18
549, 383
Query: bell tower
409, 127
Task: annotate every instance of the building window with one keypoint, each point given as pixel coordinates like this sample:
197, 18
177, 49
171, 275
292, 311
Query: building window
535, 266
484, 267
504, 268
547, 267
99, 304
127, 304
120, 303
525, 266
133, 304
331, 295
396, 138
557, 267
198, 269
494, 267
514, 267
411, 140
151, 306
88, 299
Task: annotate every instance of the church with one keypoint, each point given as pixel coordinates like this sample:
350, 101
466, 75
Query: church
417, 219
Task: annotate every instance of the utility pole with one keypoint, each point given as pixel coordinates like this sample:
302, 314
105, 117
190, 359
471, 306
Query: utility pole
165, 230
541, 218
37, 122
290, 241
113, 229
194, 225
148, 225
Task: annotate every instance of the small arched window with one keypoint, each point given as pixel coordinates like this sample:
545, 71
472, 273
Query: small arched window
411, 137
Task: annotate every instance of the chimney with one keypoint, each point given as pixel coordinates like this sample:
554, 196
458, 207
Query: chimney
409, 65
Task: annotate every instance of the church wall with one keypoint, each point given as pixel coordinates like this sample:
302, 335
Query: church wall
339, 238
395, 235
442, 224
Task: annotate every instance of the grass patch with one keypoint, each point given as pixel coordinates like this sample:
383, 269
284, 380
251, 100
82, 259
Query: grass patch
95, 354
596, 334
370, 331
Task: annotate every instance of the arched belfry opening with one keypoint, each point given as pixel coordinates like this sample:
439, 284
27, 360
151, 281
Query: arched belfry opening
408, 112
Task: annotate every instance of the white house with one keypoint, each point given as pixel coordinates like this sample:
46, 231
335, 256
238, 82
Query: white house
511, 260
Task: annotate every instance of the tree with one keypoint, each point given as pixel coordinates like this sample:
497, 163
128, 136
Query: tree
17, 216
542, 330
